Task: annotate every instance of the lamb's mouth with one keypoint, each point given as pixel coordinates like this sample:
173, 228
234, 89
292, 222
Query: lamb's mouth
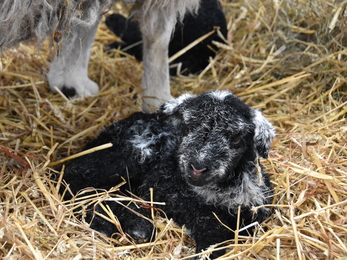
200, 177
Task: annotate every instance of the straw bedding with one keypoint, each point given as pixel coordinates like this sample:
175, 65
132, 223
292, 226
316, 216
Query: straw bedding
286, 58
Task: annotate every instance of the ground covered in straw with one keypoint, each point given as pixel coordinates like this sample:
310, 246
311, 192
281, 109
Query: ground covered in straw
287, 58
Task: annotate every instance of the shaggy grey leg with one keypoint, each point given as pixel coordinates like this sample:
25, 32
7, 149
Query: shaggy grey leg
156, 78
69, 69
157, 20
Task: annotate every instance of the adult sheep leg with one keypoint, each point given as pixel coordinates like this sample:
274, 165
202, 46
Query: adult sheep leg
156, 81
69, 69
157, 20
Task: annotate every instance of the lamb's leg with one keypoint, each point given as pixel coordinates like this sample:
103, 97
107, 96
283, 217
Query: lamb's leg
69, 69
206, 231
138, 227
156, 38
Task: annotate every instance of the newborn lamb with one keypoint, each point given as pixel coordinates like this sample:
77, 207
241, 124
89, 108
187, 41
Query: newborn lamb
201, 156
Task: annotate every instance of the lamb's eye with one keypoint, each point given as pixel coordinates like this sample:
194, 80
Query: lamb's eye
236, 140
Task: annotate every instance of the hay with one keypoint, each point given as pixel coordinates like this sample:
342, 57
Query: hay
286, 58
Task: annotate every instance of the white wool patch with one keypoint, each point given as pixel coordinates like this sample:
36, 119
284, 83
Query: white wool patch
186, 116
142, 143
172, 104
262, 125
264, 131
202, 154
221, 171
220, 94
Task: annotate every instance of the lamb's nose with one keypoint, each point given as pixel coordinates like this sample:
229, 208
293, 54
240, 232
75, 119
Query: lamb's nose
196, 172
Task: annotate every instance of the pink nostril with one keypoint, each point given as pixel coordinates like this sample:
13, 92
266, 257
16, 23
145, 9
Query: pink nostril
197, 172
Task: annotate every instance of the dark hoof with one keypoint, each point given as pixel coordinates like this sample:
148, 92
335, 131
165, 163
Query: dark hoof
68, 92
140, 236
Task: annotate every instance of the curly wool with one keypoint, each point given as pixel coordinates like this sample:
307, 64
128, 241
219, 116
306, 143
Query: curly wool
201, 156
22, 20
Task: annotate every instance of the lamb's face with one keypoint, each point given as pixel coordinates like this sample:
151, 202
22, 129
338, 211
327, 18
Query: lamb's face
212, 146
217, 130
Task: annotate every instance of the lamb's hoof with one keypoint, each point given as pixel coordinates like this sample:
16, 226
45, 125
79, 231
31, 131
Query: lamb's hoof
140, 236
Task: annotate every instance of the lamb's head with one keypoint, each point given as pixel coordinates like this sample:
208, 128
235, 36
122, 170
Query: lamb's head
219, 133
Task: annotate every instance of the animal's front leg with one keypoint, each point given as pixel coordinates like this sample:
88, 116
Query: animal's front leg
134, 220
69, 69
156, 26
207, 231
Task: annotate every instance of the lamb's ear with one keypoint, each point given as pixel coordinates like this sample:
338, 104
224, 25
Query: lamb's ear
263, 135
173, 107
